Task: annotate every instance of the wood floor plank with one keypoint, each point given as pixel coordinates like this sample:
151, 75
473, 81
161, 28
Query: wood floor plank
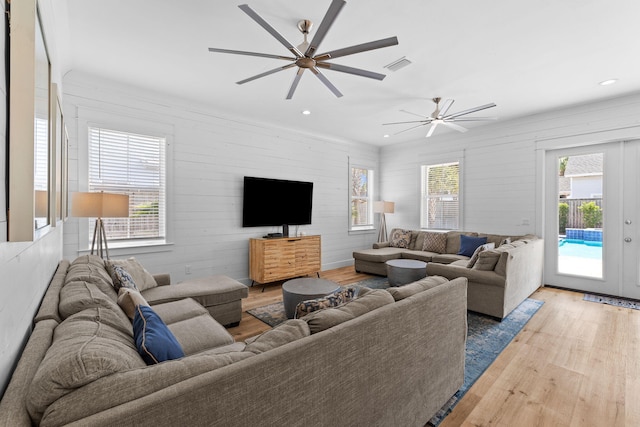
575, 363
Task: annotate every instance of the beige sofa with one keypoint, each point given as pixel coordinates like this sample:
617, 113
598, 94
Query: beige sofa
382, 359
499, 281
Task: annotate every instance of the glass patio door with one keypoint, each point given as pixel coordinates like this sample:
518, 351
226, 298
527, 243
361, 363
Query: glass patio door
591, 218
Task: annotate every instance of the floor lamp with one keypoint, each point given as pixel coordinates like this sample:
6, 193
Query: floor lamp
382, 208
100, 205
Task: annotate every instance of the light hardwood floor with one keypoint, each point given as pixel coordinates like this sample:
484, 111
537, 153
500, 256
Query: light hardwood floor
575, 363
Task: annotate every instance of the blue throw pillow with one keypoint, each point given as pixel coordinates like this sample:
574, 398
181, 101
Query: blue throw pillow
154, 340
468, 244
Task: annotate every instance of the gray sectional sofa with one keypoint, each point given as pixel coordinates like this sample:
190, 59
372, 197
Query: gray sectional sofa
500, 279
382, 359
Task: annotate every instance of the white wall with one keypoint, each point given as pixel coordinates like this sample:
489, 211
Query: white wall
502, 165
208, 156
25, 268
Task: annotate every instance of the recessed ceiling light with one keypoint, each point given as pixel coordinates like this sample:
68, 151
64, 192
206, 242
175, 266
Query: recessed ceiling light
608, 82
306, 112
386, 136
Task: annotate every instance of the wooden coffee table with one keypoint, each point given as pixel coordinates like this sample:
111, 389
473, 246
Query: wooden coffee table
297, 290
403, 271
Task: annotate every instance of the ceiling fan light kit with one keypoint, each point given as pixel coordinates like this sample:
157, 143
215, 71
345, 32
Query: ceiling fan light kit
440, 117
305, 57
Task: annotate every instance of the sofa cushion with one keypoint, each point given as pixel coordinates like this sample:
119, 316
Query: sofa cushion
435, 242
142, 278
176, 311
418, 255
476, 253
325, 319
154, 340
79, 295
90, 269
448, 258
378, 255
288, 331
208, 291
332, 300
128, 299
402, 292
400, 238
468, 244
200, 333
84, 349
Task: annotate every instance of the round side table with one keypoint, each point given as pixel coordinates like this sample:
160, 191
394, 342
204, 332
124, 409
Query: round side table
297, 290
403, 271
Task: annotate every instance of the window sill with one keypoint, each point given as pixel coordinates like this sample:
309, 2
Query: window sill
121, 250
362, 230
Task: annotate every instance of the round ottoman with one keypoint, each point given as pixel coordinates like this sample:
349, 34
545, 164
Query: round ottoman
403, 271
297, 290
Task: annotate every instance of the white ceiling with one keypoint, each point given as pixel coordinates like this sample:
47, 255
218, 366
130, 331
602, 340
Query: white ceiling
527, 57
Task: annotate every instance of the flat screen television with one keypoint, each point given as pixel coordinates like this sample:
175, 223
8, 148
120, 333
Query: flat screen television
276, 202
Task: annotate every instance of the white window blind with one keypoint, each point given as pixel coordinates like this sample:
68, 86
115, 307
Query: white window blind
132, 164
361, 204
440, 196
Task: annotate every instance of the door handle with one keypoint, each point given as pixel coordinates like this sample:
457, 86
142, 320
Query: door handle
627, 239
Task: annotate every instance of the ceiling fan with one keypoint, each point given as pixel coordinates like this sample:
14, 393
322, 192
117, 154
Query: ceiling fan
305, 56
440, 117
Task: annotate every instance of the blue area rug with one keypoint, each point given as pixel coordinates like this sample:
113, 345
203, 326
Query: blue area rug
486, 339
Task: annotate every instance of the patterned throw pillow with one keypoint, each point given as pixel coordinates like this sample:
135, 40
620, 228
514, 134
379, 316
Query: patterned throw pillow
122, 279
332, 300
435, 242
476, 253
400, 238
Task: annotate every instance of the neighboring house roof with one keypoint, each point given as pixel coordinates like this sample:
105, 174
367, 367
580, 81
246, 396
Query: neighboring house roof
584, 165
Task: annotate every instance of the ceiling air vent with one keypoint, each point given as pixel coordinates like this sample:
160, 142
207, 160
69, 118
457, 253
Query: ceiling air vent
396, 65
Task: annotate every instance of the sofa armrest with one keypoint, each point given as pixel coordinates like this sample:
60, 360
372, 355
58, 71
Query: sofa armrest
379, 245
163, 279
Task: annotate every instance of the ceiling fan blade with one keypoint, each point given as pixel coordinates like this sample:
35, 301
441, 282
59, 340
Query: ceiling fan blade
327, 22
296, 80
431, 129
350, 70
455, 126
391, 41
264, 24
426, 122
326, 82
266, 73
472, 119
469, 111
242, 52
445, 107
418, 115
412, 127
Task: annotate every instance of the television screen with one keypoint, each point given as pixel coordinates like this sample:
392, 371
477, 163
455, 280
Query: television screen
275, 202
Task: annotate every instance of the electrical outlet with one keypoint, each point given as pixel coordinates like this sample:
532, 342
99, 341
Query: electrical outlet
187, 269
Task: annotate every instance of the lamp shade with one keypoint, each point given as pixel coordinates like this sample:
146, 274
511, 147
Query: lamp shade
383, 207
100, 205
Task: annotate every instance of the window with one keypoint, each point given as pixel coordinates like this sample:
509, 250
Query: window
361, 198
126, 163
440, 196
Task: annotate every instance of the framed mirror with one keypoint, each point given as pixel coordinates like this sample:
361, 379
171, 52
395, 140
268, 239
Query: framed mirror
41, 172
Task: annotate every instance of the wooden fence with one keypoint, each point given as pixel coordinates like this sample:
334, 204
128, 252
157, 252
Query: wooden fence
574, 216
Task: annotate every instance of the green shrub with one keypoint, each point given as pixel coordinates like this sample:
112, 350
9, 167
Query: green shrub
591, 214
563, 216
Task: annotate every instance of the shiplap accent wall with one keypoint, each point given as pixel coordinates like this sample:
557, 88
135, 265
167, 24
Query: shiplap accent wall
208, 155
502, 172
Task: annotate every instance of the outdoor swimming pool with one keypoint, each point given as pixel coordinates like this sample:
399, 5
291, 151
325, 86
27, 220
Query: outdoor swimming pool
580, 249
